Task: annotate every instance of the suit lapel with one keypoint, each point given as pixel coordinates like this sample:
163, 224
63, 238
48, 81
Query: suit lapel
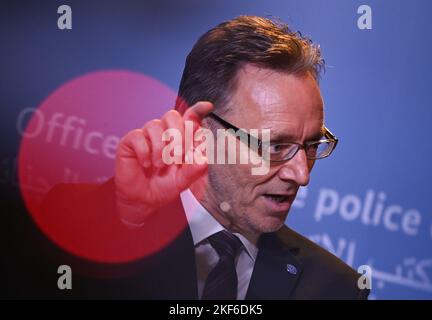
276, 270
174, 268
180, 267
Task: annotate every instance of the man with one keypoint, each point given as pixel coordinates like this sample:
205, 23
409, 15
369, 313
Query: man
249, 73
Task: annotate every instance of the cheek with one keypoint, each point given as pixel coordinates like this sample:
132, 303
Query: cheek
250, 185
243, 179
231, 178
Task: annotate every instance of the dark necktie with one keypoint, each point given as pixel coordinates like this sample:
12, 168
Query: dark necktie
221, 283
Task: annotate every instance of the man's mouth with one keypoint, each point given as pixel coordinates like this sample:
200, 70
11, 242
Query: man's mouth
277, 197
278, 202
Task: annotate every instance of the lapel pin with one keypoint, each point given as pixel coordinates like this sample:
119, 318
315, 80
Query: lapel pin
291, 269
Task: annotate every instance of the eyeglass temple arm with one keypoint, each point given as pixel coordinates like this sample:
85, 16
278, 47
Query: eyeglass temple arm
329, 134
230, 126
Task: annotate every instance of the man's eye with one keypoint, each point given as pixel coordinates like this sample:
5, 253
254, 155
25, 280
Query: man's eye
277, 148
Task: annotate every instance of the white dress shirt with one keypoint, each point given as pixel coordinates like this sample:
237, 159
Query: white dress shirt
202, 225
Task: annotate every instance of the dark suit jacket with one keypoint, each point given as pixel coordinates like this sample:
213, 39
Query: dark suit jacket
171, 272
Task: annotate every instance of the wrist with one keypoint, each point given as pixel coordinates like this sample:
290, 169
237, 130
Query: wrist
132, 214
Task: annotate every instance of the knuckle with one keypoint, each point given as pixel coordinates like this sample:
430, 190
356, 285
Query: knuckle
152, 124
130, 136
173, 119
172, 114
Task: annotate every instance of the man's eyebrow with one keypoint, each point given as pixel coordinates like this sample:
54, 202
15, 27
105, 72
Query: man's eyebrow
318, 135
281, 137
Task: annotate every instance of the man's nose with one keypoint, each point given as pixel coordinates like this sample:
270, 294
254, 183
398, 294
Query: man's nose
296, 169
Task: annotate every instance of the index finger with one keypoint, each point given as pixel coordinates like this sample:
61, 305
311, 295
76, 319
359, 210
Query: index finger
198, 111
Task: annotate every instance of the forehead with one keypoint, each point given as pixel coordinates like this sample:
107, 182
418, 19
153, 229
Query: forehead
285, 103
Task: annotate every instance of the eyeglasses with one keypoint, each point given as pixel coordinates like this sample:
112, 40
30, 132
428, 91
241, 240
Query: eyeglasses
281, 152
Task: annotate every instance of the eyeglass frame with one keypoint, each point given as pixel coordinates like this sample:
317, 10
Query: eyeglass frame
327, 134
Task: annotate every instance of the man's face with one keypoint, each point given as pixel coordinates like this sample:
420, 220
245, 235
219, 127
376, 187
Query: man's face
292, 108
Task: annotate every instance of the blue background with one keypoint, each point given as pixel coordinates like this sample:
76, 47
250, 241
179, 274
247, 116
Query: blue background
376, 90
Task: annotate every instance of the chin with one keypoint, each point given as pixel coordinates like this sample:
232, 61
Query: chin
270, 224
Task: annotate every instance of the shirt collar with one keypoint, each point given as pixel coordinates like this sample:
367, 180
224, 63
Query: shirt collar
202, 224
